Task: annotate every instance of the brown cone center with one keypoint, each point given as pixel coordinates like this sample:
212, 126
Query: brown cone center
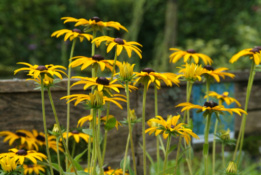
148, 70
119, 41
102, 80
97, 57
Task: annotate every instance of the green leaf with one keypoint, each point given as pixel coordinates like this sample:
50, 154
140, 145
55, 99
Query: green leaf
80, 155
110, 124
87, 131
172, 148
75, 163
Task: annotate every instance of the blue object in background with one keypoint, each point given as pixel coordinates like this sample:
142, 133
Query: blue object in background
227, 120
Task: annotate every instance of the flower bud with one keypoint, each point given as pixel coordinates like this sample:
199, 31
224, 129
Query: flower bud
225, 135
126, 71
96, 99
231, 169
133, 115
55, 128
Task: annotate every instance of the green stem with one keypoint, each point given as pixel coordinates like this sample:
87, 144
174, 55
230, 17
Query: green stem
68, 93
60, 131
98, 142
106, 133
157, 138
143, 129
114, 64
45, 127
58, 155
89, 153
206, 145
223, 156
130, 127
177, 156
243, 123
94, 152
166, 155
125, 154
214, 148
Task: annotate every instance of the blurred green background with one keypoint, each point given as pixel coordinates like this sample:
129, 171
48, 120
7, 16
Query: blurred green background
218, 28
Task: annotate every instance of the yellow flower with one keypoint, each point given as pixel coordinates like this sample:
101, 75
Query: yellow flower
210, 107
216, 73
89, 118
231, 169
77, 135
251, 52
33, 168
148, 76
24, 137
191, 72
169, 126
120, 44
36, 70
223, 97
109, 171
126, 72
95, 23
21, 155
72, 34
100, 83
88, 61
40, 140
94, 100
8, 164
187, 55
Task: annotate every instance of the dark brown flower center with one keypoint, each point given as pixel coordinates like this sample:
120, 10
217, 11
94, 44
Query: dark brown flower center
77, 30
106, 168
119, 41
210, 104
97, 57
254, 50
20, 134
30, 165
208, 67
172, 126
75, 132
40, 138
96, 18
21, 152
41, 68
148, 70
191, 51
102, 80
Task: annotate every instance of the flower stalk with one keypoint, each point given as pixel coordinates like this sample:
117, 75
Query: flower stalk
240, 139
143, 129
157, 137
166, 155
68, 93
45, 127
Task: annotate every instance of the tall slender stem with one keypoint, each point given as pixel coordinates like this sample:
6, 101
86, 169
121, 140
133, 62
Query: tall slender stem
68, 93
206, 145
58, 155
125, 154
240, 140
60, 130
98, 142
130, 127
177, 156
214, 149
157, 137
166, 155
45, 127
94, 152
143, 129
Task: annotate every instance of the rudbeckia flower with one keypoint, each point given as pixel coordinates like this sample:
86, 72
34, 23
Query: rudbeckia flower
89, 118
210, 107
8, 164
33, 168
169, 127
95, 23
94, 100
191, 72
187, 55
36, 70
216, 73
77, 135
223, 97
148, 76
21, 155
40, 140
231, 169
100, 83
120, 44
109, 171
89, 61
24, 137
72, 34
253, 53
